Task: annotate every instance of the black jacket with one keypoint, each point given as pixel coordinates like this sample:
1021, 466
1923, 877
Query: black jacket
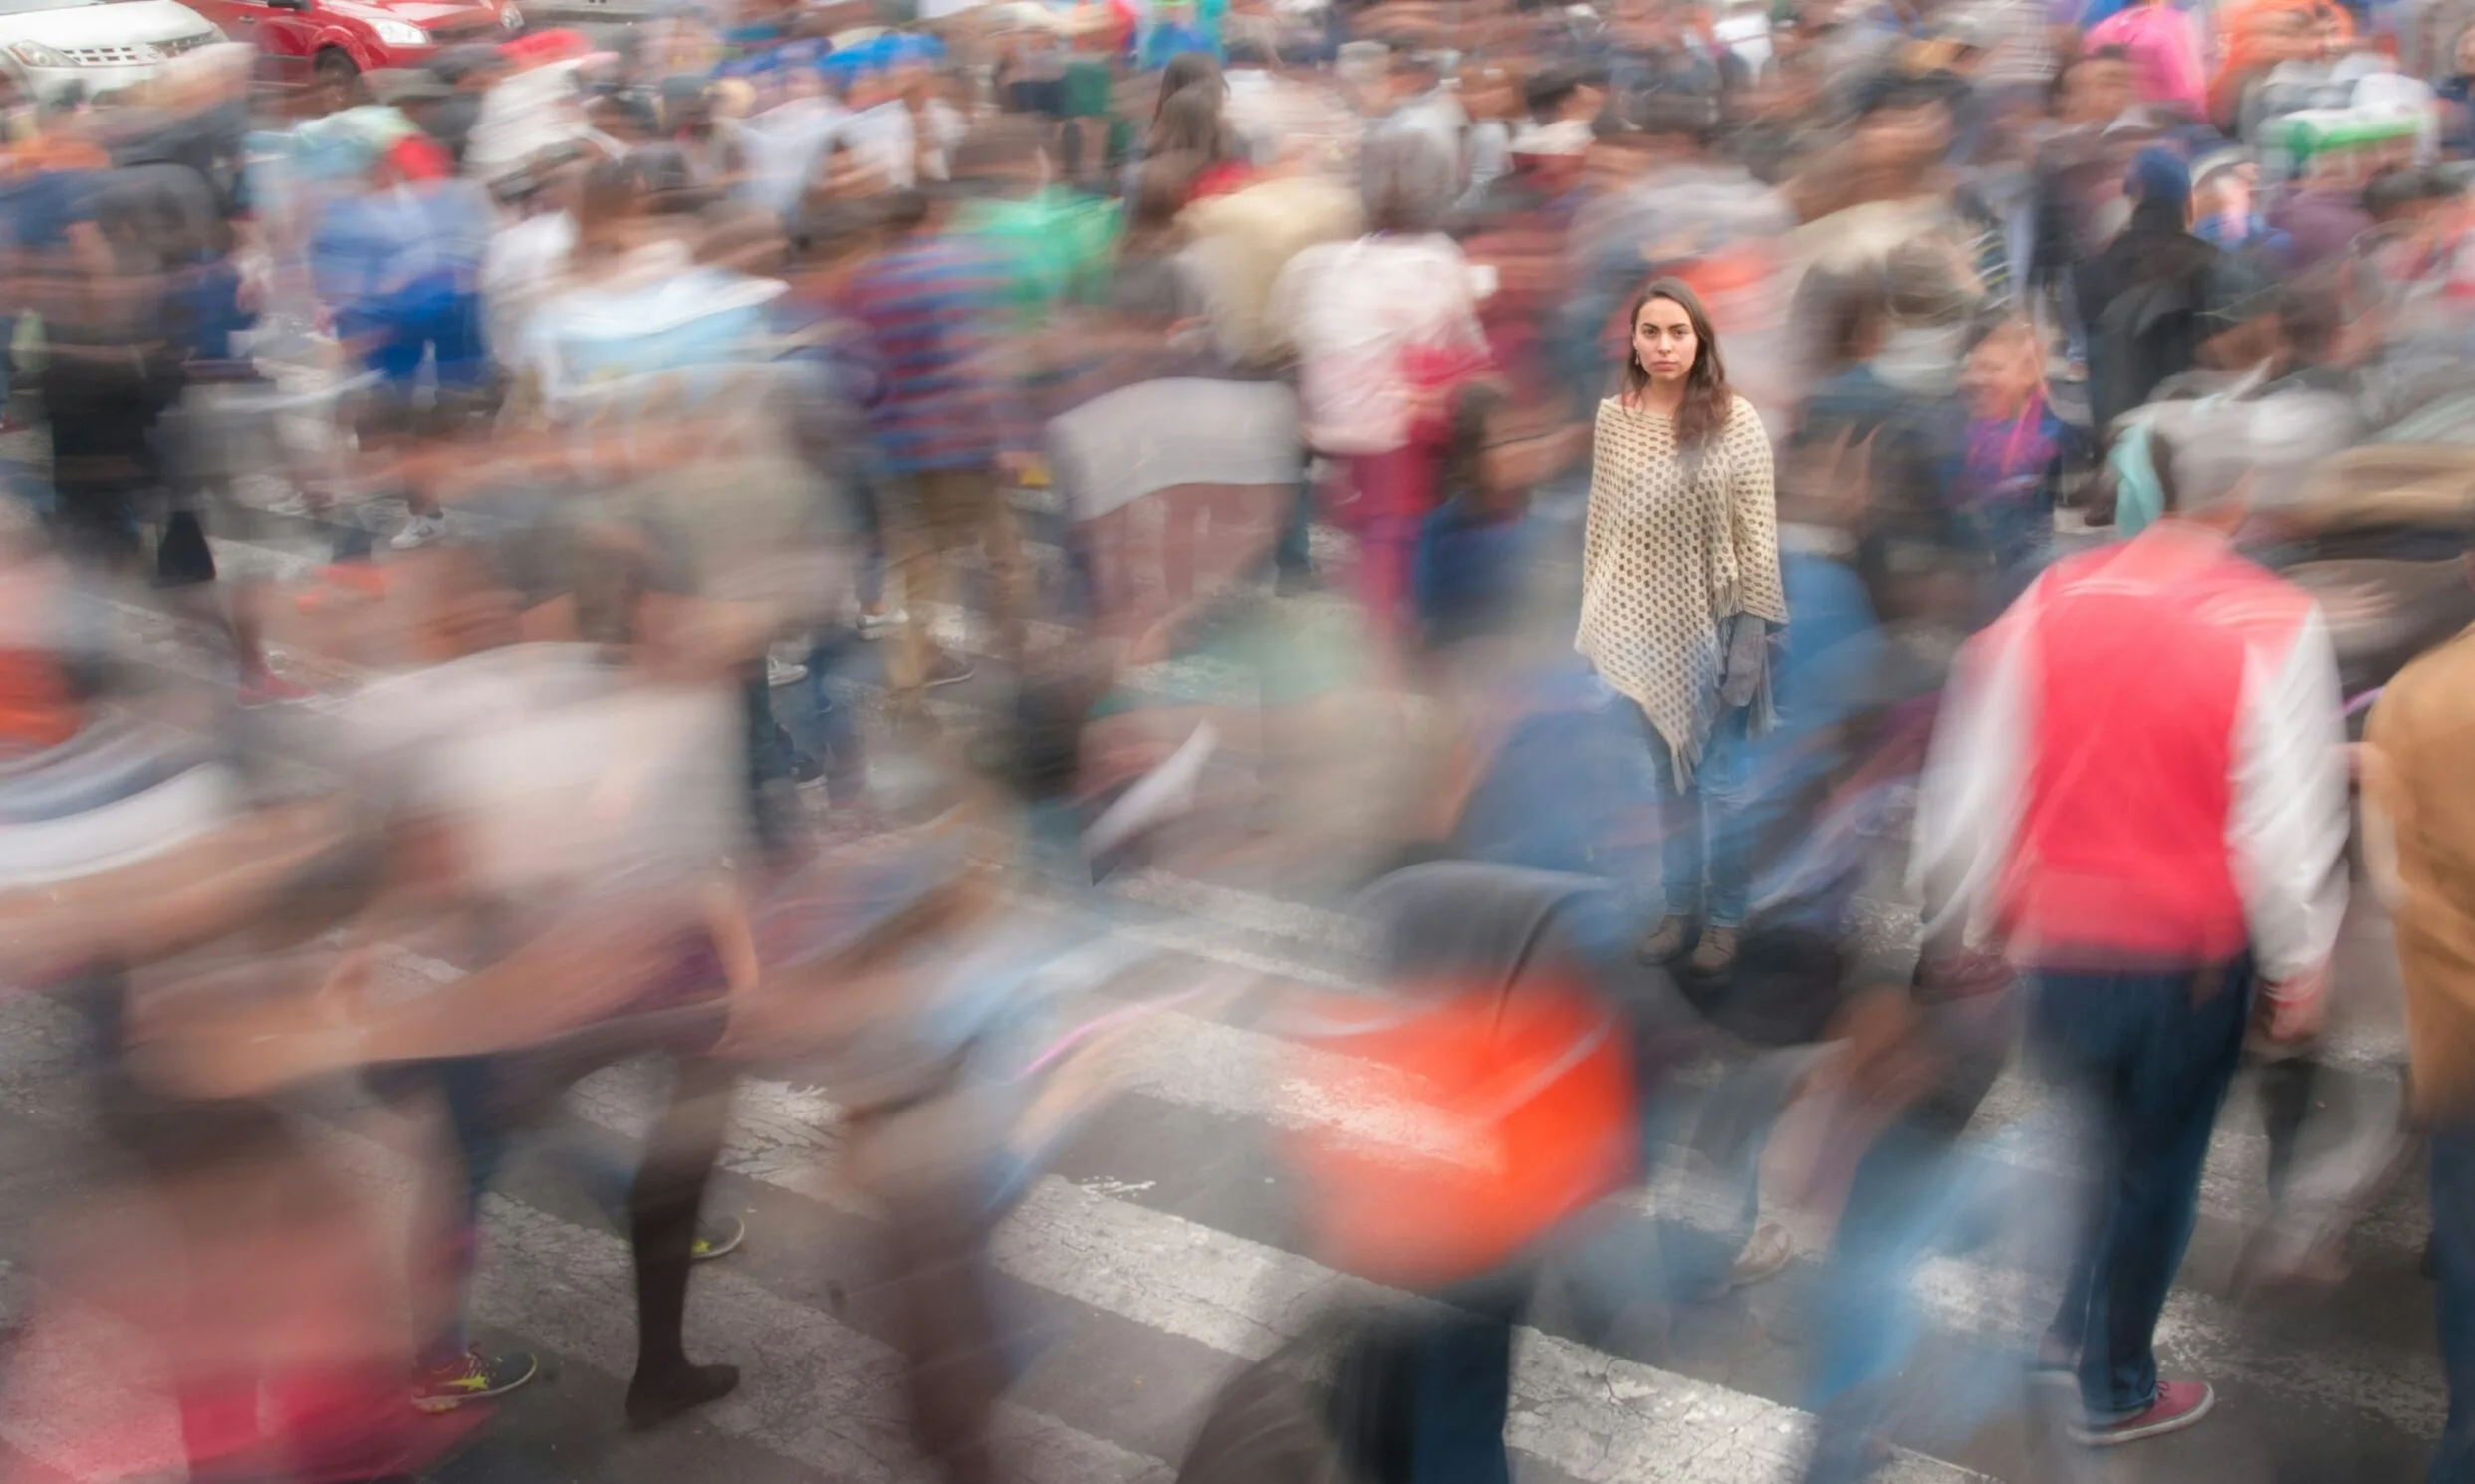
2148, 302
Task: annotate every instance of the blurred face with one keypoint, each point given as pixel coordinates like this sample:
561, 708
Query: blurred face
2466, 51
1904, 138
2103, 90
2328, 39
2288, 36
2229, 193
1663, 342
2002, 373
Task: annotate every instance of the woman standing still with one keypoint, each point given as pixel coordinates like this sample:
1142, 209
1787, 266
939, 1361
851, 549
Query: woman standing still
1680, 592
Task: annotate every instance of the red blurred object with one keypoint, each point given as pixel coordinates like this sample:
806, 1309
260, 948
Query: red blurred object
1532, 1092
328, 1427
539, 47
333, 41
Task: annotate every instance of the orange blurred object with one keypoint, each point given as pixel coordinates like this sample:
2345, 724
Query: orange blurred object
1531, 1097
36, 709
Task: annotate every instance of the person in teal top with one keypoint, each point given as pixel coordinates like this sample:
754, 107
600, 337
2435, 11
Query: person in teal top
1057, 242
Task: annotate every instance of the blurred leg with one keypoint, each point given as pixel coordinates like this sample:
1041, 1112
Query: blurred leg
2155, 1052
681, 1152
1291, 558
918, 563
1462, 1376
991, 516
466, 1088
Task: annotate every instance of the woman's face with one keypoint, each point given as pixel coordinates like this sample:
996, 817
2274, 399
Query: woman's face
1665, 343
2466, 49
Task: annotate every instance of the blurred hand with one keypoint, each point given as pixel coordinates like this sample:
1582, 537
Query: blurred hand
2297, 1007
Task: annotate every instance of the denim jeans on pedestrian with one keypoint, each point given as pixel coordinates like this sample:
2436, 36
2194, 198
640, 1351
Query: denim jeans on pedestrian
1916, 1192
1705, 843
467, 1090
2146, 1058
2453, 1259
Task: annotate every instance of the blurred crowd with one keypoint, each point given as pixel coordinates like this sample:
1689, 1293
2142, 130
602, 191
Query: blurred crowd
1780, 555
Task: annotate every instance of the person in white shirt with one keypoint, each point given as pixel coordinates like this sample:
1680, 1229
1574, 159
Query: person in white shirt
1383, 327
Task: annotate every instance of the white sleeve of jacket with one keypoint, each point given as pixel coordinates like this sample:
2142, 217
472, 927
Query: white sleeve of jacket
1976, 776
2287, 826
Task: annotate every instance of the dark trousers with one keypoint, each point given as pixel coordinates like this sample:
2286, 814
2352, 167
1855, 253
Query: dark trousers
2148, 1058
1290, 553
1461, 1383
1421, 1397
2453, 1258
489, 1099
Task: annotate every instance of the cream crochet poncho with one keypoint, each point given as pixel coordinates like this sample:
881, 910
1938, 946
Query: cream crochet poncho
1667, 559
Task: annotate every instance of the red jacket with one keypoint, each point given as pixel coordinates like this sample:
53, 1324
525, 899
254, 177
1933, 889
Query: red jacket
2142, 763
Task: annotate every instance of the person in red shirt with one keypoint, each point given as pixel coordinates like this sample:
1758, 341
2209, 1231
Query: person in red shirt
2138, 793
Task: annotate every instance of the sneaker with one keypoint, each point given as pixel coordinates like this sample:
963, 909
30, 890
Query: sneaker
717, 1239
419, 531
878, 625
2179, 1405
951, 669
1662, 943
1716, 952
472, 1376
780, 672
807, 770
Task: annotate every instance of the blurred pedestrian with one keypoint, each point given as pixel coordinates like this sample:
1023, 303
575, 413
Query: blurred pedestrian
2420, 839
1385, 327
2136, 791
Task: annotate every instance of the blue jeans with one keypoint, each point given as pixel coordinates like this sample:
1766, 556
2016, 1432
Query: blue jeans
2148, 1058
467, 1086
426, 320
2453, 1256
1914, 1194
1703, 831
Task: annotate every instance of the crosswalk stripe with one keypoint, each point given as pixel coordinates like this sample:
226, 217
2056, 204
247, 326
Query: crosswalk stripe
1253, 1076
1595, 1417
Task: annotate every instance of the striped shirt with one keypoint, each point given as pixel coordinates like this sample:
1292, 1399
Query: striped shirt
935, 310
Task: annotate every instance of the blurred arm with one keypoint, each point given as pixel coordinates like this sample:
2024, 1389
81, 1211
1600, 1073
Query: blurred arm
2287, 826
1976, 775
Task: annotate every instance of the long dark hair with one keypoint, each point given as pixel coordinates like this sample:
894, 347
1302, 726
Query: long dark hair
1708, 399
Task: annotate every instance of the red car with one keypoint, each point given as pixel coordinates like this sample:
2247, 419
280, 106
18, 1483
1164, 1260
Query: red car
332, 41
